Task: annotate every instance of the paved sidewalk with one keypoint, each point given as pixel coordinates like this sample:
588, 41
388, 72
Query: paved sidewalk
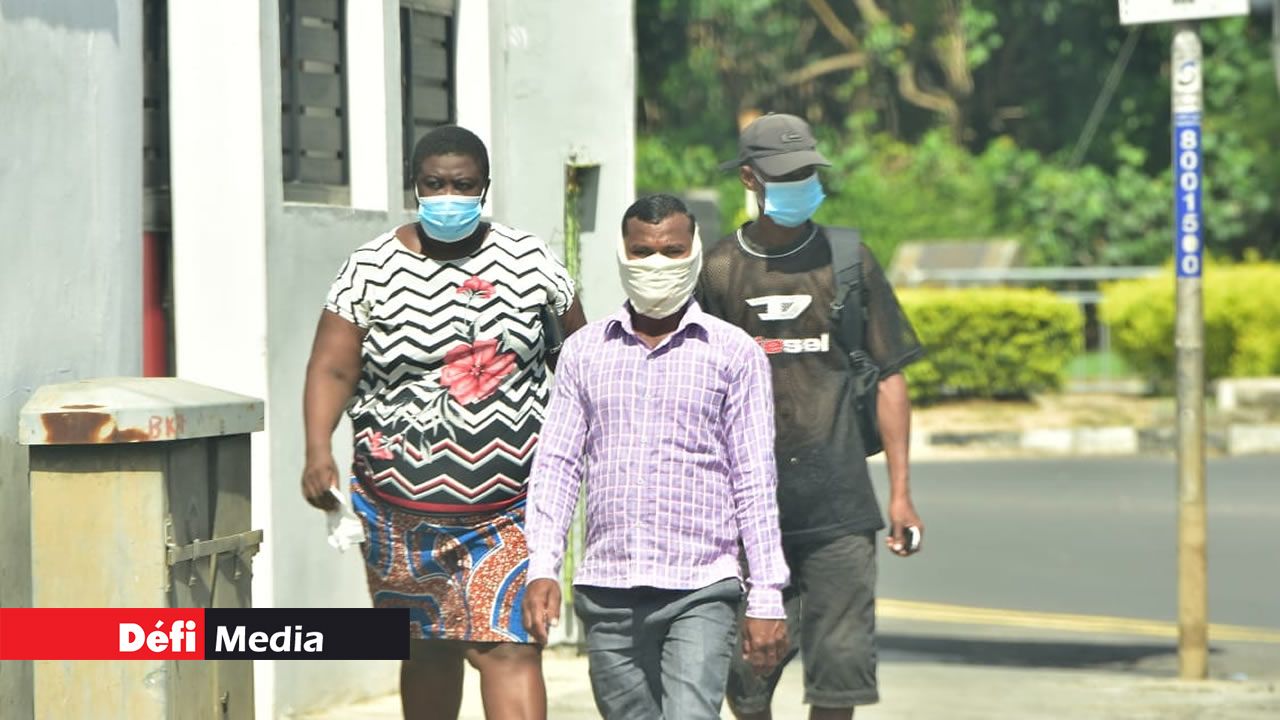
932, 670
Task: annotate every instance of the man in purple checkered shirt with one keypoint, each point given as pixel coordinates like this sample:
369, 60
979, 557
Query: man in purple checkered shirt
670, 413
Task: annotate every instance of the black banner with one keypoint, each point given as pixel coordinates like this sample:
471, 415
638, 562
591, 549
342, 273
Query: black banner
306, 634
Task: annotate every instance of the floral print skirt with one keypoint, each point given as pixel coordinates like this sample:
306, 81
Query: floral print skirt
462, 577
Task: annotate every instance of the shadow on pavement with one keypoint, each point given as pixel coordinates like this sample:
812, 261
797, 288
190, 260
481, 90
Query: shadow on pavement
1019, 653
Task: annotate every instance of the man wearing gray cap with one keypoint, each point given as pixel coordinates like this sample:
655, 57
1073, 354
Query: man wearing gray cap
820, 306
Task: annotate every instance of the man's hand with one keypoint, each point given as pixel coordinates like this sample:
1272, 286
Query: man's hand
541, 608
764, 643
318, 476
902, 515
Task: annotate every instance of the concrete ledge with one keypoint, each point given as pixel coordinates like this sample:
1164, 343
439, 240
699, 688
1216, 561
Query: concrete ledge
134, 409
1081, 441
1106, 441
1252, 439
1046, 440
1238, 439
1157, 440
1244, 393
979, 438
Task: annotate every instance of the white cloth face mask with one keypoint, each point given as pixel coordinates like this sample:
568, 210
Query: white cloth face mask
658, 285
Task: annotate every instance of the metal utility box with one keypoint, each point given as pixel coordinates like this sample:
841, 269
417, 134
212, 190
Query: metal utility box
140, 498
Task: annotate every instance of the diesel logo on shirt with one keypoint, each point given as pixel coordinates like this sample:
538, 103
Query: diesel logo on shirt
781, 307
774, 346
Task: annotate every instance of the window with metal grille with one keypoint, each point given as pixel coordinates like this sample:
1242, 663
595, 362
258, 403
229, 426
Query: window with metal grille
313, 78
155, 115
427, 74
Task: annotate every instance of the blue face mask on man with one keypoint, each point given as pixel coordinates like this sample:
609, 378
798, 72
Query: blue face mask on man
449, 218
791, 204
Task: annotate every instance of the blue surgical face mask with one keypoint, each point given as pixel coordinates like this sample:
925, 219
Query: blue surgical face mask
449, 218
791, 204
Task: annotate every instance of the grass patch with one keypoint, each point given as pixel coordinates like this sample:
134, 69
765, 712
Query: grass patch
1099, 366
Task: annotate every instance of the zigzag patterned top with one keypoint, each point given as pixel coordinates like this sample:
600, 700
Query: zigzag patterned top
453, 382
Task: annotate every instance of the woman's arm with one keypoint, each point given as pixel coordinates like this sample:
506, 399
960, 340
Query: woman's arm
573, 319
332, 373
571, 322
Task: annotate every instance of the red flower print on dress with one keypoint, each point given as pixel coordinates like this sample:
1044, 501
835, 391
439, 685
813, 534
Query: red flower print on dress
377, 449
473, 372
476, 286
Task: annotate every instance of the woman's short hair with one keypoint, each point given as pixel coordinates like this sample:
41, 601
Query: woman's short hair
449, 140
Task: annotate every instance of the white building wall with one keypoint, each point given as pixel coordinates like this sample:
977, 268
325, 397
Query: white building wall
250, 271
307, 244
564, 89
70, 235
472, 92
235, 236
220, 202
373, 90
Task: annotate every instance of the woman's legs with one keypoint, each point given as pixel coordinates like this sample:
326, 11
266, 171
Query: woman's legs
431, 680
475, 555
510, 680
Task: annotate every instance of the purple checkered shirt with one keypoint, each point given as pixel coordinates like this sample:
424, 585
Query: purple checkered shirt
677, 444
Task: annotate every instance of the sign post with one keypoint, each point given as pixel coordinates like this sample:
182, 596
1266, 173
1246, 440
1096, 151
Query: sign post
1193, 615
1187, 108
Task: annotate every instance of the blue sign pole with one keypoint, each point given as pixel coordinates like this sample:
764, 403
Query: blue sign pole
1193, 569
1188, 216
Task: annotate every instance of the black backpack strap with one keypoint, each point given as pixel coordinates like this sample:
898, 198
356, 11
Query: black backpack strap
848, 324
847, 306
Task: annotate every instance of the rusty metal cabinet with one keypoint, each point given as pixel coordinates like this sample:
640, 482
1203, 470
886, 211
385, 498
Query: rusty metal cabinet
140, 497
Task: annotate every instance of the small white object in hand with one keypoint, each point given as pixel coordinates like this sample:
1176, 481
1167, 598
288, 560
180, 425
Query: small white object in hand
345, 529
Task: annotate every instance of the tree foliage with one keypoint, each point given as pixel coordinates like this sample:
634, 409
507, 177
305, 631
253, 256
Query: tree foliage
1000, 342
1242, 338
960, 118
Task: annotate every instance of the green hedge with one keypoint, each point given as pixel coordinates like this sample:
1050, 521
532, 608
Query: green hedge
991, 342
1241, 322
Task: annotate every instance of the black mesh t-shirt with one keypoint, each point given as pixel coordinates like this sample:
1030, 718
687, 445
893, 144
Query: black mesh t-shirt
784, 302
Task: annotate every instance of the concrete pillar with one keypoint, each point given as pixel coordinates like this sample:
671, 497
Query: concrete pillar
225, 148
70, 234
546, 117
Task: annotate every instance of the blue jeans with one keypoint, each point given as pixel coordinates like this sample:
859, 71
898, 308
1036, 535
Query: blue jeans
659, 654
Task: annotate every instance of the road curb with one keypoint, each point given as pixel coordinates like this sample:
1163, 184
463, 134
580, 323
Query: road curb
1234, 439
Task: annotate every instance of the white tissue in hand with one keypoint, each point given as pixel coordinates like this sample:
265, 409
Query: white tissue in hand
345, 529
344, 532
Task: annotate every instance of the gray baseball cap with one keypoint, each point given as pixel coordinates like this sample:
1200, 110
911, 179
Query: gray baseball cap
778, 144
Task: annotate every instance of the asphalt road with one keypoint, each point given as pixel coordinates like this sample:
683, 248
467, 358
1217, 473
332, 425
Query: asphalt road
1088, 536
1008, 544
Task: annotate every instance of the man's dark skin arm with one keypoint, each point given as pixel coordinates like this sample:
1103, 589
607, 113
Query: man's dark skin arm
764, 643
893, 411
541, 609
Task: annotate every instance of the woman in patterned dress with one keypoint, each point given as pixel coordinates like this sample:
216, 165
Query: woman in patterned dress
432, 340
